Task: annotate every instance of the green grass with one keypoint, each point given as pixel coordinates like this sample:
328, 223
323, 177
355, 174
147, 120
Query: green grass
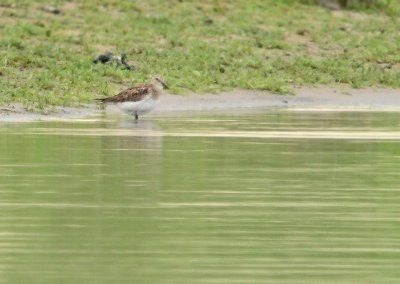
46, 59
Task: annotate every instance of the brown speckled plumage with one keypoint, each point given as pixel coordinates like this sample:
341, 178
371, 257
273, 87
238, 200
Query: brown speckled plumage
133, 94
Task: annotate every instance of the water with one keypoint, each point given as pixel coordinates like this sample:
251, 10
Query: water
282, 197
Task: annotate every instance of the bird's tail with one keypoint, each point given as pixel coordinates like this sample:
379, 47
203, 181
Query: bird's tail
101, 100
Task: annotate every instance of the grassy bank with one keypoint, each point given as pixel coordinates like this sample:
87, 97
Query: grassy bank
201, 46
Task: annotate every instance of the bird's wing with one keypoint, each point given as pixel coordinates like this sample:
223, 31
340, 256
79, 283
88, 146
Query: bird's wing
133, 94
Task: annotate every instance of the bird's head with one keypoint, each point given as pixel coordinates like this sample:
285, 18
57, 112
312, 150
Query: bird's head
158, 81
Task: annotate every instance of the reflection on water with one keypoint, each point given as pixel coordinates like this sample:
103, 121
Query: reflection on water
269, 198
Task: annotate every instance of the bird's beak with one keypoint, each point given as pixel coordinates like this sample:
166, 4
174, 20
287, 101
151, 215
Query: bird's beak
164, 85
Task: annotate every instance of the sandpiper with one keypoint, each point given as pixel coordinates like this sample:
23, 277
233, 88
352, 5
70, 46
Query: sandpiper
140, 99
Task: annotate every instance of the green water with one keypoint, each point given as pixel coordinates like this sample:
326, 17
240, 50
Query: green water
267, 198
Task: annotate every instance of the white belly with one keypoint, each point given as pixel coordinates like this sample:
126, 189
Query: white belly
138, 107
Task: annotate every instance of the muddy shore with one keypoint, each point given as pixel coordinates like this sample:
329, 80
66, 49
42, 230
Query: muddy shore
305, 99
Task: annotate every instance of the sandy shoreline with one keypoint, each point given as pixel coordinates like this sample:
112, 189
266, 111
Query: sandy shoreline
306, 99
